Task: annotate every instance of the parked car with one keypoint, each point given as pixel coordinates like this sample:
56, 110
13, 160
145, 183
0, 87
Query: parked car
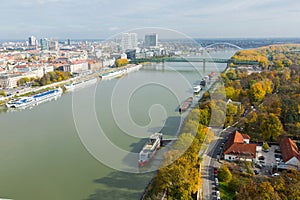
278, 156
215, 170
256, 172
259, 166
217, 181
275, 174
261, 158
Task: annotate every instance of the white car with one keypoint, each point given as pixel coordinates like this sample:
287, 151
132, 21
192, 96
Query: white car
217, 181
276, 174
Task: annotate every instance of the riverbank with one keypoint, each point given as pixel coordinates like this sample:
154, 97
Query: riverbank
196, 149
30, 91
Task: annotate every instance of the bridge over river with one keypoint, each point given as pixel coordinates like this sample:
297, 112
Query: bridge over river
193, 60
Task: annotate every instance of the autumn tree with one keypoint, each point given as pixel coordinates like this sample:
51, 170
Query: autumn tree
224, 174
121, 62
257, 92
271, 127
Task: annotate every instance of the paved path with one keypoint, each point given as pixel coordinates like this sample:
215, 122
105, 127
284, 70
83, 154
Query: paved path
210, 161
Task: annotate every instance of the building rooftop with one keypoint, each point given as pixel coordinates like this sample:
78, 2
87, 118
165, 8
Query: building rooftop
247, 150
235, 137
288, 149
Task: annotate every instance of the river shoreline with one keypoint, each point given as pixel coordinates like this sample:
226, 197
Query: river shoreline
30, 91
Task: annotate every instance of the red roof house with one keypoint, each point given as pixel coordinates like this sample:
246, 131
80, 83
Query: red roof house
290, 153
237, 147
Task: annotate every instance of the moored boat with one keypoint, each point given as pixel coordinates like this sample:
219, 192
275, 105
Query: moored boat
197, 89
133, 68
150, 148
186, 104
113, 74
21, 102
24, 102
79, 84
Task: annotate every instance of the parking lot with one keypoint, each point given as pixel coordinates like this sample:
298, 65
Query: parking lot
266, 159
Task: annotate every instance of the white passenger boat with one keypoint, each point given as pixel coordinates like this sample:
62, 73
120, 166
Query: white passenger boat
150, 148
28, 101
114, 74
80, 84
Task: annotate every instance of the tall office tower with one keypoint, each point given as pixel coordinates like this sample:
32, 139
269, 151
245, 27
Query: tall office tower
151, 40
44, 44
32, 41
53, 45
129, 41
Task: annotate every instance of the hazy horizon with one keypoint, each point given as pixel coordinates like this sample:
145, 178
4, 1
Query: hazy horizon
59, 19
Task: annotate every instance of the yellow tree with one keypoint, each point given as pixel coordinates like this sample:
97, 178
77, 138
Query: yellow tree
257, 92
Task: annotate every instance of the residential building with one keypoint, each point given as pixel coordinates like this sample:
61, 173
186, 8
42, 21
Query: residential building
290, 152
129, 41
151, 40
237, 147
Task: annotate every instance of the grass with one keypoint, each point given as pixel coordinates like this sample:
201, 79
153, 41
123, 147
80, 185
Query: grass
225, 193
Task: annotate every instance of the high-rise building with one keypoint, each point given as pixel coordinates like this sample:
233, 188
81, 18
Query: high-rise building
53, 45
32, 41
151, 40
129, 41
44, 44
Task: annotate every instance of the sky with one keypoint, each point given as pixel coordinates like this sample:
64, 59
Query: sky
102, 19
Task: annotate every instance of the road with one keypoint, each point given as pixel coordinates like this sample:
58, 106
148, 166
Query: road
210, 161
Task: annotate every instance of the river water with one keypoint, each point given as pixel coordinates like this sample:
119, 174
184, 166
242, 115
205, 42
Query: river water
84, 145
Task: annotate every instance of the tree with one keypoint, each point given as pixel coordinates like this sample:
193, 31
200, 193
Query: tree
22, 81
278, 64
121, 62
257, 92
265, 146
224, 174
289, 110
271, 127
230, 93
2, 93
266, 191
234, 184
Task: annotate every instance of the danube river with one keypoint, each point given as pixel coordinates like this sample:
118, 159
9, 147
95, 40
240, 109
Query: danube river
85, 144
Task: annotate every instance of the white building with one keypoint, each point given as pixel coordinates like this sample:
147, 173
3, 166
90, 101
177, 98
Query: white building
9, 81
76, 66
129, 41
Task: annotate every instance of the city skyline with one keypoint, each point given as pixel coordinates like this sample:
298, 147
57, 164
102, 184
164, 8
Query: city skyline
102, 19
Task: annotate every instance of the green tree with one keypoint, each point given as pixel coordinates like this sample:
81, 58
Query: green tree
224, 174
234, 184
271, 127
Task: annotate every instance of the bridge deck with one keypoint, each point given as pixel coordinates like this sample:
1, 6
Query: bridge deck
209, 60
